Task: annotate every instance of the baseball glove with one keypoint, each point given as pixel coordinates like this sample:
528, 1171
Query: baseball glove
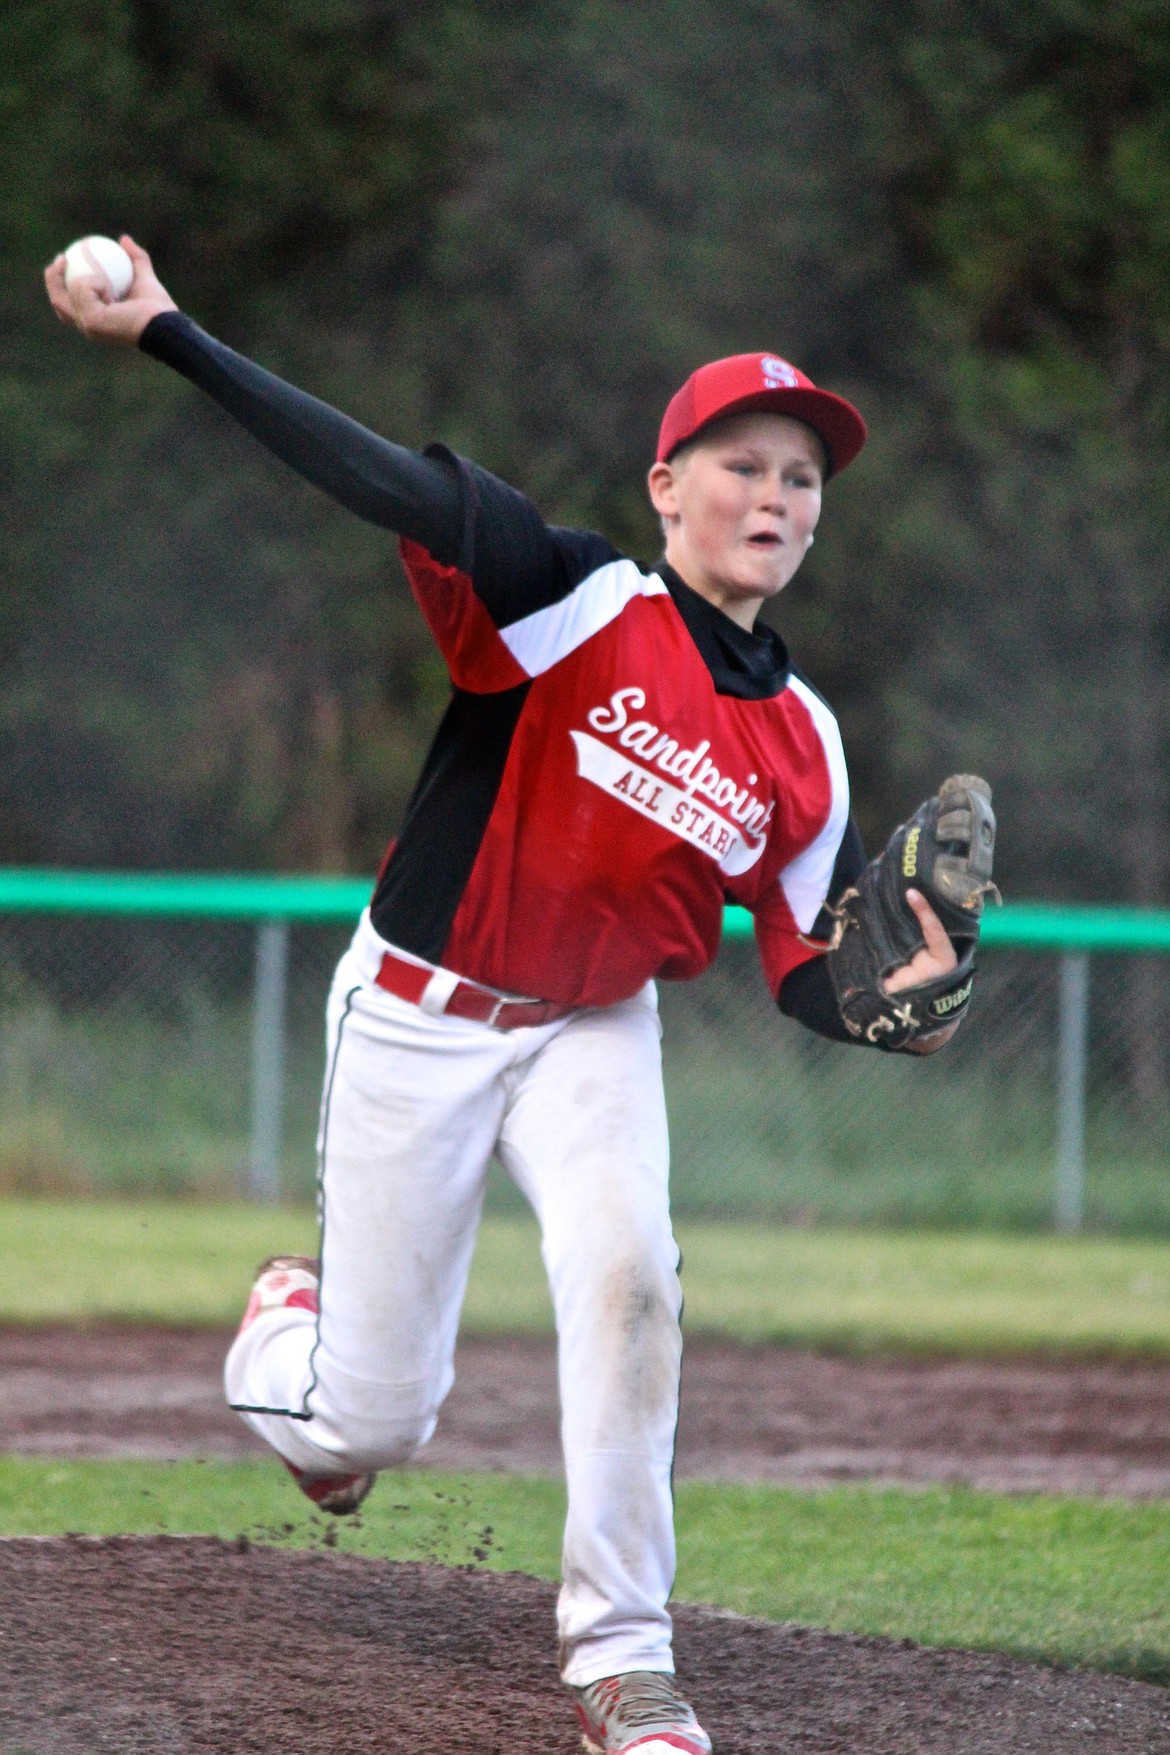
944, 852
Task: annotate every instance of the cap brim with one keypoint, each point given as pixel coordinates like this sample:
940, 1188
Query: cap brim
836, 422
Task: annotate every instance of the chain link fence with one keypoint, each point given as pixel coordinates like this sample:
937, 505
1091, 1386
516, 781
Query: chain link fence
183, 1057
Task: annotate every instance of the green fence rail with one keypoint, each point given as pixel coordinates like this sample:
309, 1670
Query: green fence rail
196, 895
1038, 926
274, 903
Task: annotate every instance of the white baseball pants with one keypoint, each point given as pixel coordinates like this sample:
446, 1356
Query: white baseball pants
413, 1107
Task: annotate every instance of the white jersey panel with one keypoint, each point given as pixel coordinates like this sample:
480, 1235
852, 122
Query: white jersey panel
542, 639
806, 880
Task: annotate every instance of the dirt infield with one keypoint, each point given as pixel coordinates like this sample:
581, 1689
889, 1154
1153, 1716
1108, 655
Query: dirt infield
172, 1647
156, 1646
748, 1413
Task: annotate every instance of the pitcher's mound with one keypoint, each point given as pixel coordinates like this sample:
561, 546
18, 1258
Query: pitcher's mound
114, 1647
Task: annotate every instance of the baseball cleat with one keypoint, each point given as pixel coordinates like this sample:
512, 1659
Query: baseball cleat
291, 1282
283, 1282
641, 1710
340, 1494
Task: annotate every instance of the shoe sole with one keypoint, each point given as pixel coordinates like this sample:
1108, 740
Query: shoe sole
592, 1748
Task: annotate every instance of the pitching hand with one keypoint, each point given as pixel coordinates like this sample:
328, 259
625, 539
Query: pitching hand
937, 957
88, 306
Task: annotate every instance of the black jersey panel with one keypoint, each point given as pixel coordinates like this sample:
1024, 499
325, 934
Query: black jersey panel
516, 562
750, 664
425, 877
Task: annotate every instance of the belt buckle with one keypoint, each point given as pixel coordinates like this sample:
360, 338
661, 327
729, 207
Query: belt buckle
497, 1007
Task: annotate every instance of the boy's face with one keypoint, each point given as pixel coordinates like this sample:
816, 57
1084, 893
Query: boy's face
740, 506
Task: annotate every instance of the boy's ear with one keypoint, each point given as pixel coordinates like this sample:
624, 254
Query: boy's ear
660, 482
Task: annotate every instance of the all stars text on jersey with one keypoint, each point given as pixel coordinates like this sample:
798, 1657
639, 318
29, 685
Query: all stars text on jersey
731, 829
693, 767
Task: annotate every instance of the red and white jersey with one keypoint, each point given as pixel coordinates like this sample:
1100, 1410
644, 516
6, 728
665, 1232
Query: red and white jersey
618, 760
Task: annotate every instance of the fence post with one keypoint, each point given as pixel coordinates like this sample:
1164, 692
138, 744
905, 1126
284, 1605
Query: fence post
1072, 1070
268, 1060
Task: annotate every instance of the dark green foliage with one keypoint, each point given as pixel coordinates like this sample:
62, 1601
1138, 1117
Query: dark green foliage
199, 653
1035, 209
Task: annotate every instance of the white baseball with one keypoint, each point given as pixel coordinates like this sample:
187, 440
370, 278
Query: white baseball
98, 257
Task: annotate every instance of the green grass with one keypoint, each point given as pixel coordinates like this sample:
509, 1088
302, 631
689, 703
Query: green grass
515, 1523
929, 1291
1074, 1581
190, 1263
158, 1261
1058, 1580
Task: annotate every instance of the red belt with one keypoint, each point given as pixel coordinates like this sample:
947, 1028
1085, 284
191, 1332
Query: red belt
409, 981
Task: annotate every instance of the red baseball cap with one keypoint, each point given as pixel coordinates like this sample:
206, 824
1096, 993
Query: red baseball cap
749, 381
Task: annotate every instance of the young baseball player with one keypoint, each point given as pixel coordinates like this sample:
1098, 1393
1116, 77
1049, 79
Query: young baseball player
624, 751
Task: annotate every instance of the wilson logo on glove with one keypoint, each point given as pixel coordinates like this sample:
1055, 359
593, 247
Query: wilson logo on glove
950, 1002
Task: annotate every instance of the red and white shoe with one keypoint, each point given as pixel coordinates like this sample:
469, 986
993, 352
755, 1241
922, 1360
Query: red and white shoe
292, 1282
340, 1494
283, 1282
641, 1710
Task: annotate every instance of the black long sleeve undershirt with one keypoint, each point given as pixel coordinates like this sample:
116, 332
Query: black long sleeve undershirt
808, 995
417, 495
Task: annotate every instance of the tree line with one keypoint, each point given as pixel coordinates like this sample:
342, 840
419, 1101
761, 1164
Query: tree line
518, 228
